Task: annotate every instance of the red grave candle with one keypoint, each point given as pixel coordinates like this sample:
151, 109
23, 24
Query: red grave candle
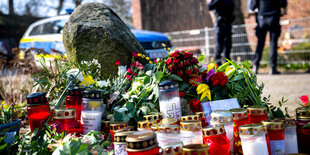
116, 126
74, 100
240, 117
275, 132
38, 110
64, 120
303, 133
142, 143
257, 114
215, 138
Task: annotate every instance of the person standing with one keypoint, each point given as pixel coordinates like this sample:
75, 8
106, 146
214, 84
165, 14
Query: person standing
268, 19
223, 10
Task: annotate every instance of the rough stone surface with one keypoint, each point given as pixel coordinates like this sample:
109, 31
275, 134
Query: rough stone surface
94, 31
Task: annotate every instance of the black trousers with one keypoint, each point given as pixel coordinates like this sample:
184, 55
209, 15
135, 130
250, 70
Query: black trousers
222, 30
265, 24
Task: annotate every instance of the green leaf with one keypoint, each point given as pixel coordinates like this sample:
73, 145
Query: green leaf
159, 75
130, 105
117, 116
2, 147
145, 110
201, 58
147, 80
175, 77
307, 125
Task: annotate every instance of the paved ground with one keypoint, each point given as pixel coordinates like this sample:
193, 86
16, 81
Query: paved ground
291, 86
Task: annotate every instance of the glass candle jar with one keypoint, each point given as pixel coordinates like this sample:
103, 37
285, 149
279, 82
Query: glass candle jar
215, 138
116, 126
143, 125
204, 120
38, 110
192, 128
224, 117
142, 143
169, 99
170, 121
105, 129
195, 149
174, 148
240, 117
253, 139
257, 114
74, 100
290, 136
120, 142
303, 133
167, 134
275, 131
92, 109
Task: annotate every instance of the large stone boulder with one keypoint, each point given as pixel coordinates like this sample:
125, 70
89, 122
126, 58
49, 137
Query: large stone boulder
94, 31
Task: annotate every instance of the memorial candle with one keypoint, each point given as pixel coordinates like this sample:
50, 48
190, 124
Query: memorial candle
240, 117
290, 136
215, 138
303, 133
74, 100
275, 131
142, 143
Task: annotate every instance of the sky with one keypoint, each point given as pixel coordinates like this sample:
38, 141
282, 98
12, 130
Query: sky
44, 10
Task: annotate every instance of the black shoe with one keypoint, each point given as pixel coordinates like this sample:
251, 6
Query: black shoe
275, 72
255, 69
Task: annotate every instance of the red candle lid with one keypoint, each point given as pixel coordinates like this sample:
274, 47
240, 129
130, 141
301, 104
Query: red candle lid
36, 98
76, 92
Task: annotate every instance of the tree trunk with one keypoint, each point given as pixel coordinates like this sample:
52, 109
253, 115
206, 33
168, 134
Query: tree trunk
60, 5
11, 7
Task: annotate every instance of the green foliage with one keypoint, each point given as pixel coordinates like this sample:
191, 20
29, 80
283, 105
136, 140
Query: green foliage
275, 111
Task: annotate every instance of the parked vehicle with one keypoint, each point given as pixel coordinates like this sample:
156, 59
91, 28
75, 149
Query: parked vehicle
47, 34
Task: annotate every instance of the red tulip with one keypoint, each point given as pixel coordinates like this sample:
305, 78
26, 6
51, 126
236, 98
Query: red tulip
129, 77
135, 54
305, 99
129, 71
188, 55
117, 63
194, 61
168, 62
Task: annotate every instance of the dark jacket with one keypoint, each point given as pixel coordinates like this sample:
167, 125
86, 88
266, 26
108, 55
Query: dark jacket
268, 7
222, 8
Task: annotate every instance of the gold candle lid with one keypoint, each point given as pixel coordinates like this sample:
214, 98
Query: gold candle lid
129, 128
154, 127
190, 125
222, 117
159, 114
239, 113
117, 126
257, 110
251, 129
64, 113
289, 122
169, 121
190, 118
120, 137
141, 141
302, 113
197, 149
171, 148
105, 124
213, 131
201, 114
169, 129
273, 124
145, 125
150, 118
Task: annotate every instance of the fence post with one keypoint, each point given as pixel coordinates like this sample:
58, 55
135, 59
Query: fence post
207, 44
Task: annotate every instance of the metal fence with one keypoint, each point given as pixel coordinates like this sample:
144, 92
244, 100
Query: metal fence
294, 42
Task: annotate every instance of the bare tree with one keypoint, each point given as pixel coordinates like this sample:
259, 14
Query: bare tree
60, 5
77, 2
121, 7
11, 7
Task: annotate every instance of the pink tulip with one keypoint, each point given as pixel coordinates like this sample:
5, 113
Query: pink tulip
304, 99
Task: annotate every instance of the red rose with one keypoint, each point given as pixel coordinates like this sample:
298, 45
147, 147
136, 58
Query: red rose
180, 73
181, 65
129, 71
182, 94
117, 63
170, 68
194, 61
195, 105
132, 65
168, 62
175, 54
196, 70
186, 63
176, 61
219, 78
135, 54
134, 74
188, 71
129, 77
188, 55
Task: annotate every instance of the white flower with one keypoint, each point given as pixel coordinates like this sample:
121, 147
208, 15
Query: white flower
103, 84
121, 70
74, 72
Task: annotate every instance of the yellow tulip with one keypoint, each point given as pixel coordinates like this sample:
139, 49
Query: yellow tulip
147, 58
204, 89
87, 80
212, 66
228, 68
